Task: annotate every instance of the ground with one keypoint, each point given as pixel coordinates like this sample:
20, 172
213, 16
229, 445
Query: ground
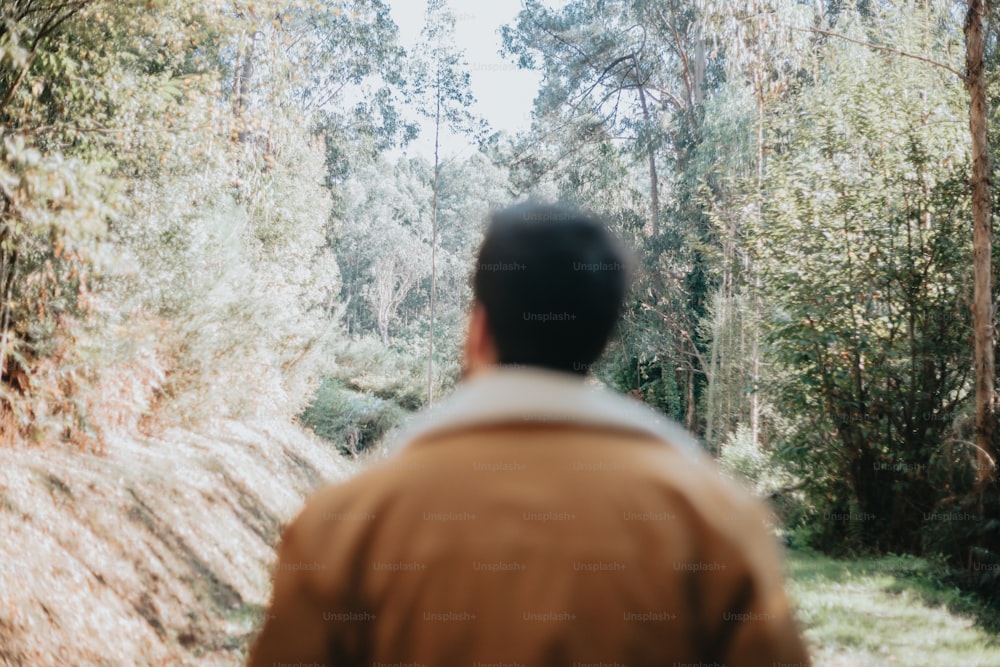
158, 552
155, 553
888, 612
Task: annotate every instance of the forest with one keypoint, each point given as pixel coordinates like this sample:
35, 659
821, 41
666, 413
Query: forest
207, 212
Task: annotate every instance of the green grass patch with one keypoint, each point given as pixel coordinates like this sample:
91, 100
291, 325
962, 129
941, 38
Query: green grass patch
893, 611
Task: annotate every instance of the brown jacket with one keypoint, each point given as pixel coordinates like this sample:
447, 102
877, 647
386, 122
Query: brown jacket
532, 520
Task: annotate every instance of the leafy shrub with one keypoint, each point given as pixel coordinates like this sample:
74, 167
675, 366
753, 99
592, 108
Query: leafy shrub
351, 420
397, 373
755, 465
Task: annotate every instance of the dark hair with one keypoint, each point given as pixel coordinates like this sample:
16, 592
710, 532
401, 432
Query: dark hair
552, 281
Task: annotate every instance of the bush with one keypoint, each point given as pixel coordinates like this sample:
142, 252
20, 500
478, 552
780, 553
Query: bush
762, 470
355, 422
756, 466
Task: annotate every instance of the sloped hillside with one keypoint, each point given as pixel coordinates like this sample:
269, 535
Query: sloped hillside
154, 553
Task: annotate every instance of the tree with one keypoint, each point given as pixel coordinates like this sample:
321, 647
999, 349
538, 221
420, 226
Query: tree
165, 171
443, 93
615, 126
863, 265
760, 50
624, 78
983, 315
383, 239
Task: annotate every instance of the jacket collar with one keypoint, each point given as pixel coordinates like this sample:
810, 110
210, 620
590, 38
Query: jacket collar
526, 394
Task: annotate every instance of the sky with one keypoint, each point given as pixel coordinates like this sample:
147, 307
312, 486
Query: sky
503, 92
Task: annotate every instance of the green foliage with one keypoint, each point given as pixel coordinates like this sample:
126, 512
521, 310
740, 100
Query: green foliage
746, 459
762, 470
442, 89
54, 210
864, 263
383, 243
354, 421
383, 249
812, 267
397, 374
160, 173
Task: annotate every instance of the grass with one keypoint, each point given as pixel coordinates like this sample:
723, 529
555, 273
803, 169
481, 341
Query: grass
157, 552
894, 611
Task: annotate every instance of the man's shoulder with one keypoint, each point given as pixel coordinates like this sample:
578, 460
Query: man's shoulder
466, 461
343, 495
527, 426
529, 396
671, 458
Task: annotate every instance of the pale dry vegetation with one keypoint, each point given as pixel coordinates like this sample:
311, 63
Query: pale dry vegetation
157, 552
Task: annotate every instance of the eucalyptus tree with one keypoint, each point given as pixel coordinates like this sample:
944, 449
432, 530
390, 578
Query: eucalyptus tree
443, 93
865, 273
382, 238
760, 44
347, 69
983, 308
620, 67
382, 243
619, 112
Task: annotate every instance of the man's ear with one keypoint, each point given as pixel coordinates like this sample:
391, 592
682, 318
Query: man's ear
480, 350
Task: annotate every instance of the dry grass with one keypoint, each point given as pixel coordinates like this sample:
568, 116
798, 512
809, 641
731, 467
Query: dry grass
155, 553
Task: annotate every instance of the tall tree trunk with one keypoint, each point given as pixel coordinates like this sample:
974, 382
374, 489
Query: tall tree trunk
982, 239
755, 324
714, 363
243, 78
434, 222
719, 363
689, 414
654, 180
699, 66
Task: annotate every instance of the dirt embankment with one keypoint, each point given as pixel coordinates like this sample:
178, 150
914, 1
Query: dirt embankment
155, 553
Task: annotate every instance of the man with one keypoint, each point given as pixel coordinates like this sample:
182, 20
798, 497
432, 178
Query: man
532, 519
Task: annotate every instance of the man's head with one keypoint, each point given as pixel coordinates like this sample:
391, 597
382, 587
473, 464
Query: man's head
549, 286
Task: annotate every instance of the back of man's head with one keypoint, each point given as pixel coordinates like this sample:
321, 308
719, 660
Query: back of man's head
552, 281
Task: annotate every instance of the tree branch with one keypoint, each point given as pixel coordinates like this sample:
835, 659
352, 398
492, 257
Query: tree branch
886, 49
17, 82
